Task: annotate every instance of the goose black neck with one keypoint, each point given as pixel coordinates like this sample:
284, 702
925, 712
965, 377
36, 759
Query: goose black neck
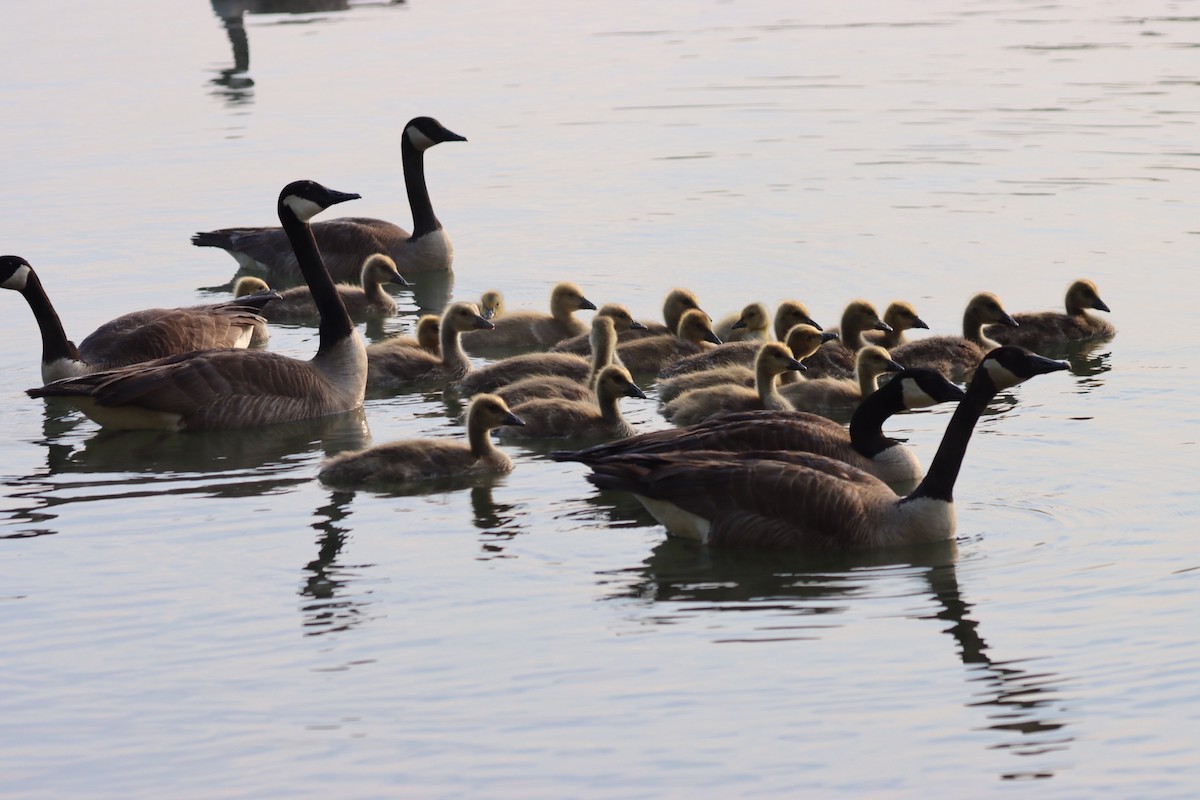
55, 344
943, 472
335, 322
866, 426
413, 160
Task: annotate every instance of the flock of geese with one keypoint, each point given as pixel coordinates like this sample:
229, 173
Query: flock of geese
755, 459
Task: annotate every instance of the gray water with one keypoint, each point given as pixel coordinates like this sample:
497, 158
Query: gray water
196, 616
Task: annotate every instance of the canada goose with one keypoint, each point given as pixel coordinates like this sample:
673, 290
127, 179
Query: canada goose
554, 418
652, 354
842, 395
836, 359
773, 360
742, 354
524, 365
788, 315
426, 459
491, 304
783, 500
901, 316
534, 328
1040, 329
345, 242
132, 338
392, 365
675, 305
427, 336
622, 321
213, 389
366, 298
752, 322
863, 445
955, 356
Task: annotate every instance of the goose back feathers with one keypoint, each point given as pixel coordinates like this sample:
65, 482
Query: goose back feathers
1040, 330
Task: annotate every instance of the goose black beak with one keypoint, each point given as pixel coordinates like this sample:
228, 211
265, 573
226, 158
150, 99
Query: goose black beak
399, 279
1009, 321
513, 419
637, 326
483, 324
1100, 305
882, 326
586, 305
827, 336
741, 323
919, 323
711, 337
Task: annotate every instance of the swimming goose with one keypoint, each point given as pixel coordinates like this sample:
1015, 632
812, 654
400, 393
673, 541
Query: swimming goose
651, 354
955, 356
773, 360
427, 336
753, 322
426, 459
675, 305
345, 242
836, 359
554, 418
568, 365
622, 321
742, 354
842, 395
802, 340
534, 328
569, 386
135, 337
788, 315
802, 501
863, 446
1040, 329
901, 316
395, 364
216, 389
367, 298
491, 304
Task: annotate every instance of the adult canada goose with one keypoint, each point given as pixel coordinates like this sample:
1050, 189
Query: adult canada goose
836, 359
651, 354
135, 337
1040, 329
345, 242
396, 365
901, 316
212, 389
367, 298
802, 340
782, 500
773, 360
842, 395
535, 328
752, 322
491, 304
567, 365
955, 356
426, 459
555, 418
427, 336
622, 321
863, 446
675, 305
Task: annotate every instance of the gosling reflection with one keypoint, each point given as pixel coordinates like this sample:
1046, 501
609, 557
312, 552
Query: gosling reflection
327, 604
1023, 706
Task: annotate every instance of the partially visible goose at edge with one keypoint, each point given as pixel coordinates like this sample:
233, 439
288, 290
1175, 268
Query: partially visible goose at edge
651, 354
863, 446
347, 241
902, 317
135, 337
801, 501
395, 364
555, 418
491, 304
842, 395
567, 383
427, 459
622, 321
677, 302
836, 359
697, 405
751, 323
956, 356
744, 353
1041, 329
536, 328
217, 389
365, 300
427, 336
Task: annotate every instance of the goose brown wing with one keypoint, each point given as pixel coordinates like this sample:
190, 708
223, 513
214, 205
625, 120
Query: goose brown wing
158, 333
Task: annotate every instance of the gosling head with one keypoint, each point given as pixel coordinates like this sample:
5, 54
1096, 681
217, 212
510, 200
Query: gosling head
789, 314
986, 307
861, 315
615, 381
569, 297
754, 318
695, 326
804, 340
249, 285
491, 304
902, 316
875, 360
1083, 294
491, 412
379, 268
461, 317
777, 359
621, 318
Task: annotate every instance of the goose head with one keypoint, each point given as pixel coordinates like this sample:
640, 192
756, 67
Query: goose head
860, 316
1009, 365
603, 335
985, 308
789, 314
775, 358
249, 285
488, 412
463, 317
874, 360
429, 332
303, 200
920, 387
422, 133
621, 318
695, 326
14, 273
678, 303
615, 381
567, 298
902, 316
491, 304
378, 269
1083, 294
754, 318
804, 339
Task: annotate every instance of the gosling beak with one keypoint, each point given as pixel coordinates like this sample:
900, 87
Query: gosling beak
796, 366
892, 366
513, 419
637, 326
632, 390
399, 279
709, 336
483, 324
1100, 305
919, 323
586, 305
488, 313
1009, 321
882, 326
741, 323
827, 336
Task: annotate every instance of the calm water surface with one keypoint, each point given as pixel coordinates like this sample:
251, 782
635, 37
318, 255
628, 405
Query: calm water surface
197, 616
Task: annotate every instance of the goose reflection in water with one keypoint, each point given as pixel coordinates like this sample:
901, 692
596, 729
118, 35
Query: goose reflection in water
1023, 706
328, 603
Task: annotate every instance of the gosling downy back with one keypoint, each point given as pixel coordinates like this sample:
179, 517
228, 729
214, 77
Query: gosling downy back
1040, 331
956, 356
773, 360
836, 359
536, 329
554, 418
397, 366
653, 353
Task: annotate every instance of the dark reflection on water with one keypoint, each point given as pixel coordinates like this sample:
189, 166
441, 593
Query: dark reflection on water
1023, 706
328, 606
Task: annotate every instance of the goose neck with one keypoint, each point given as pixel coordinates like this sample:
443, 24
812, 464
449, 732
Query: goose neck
335, 326
479, 436
55, 344
866, 424
453, 355
424, 220
943, 472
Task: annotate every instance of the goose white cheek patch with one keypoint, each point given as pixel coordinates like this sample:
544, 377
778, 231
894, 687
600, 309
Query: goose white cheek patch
419, 140
18, 279
302, 208
914, 395
1001, 376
